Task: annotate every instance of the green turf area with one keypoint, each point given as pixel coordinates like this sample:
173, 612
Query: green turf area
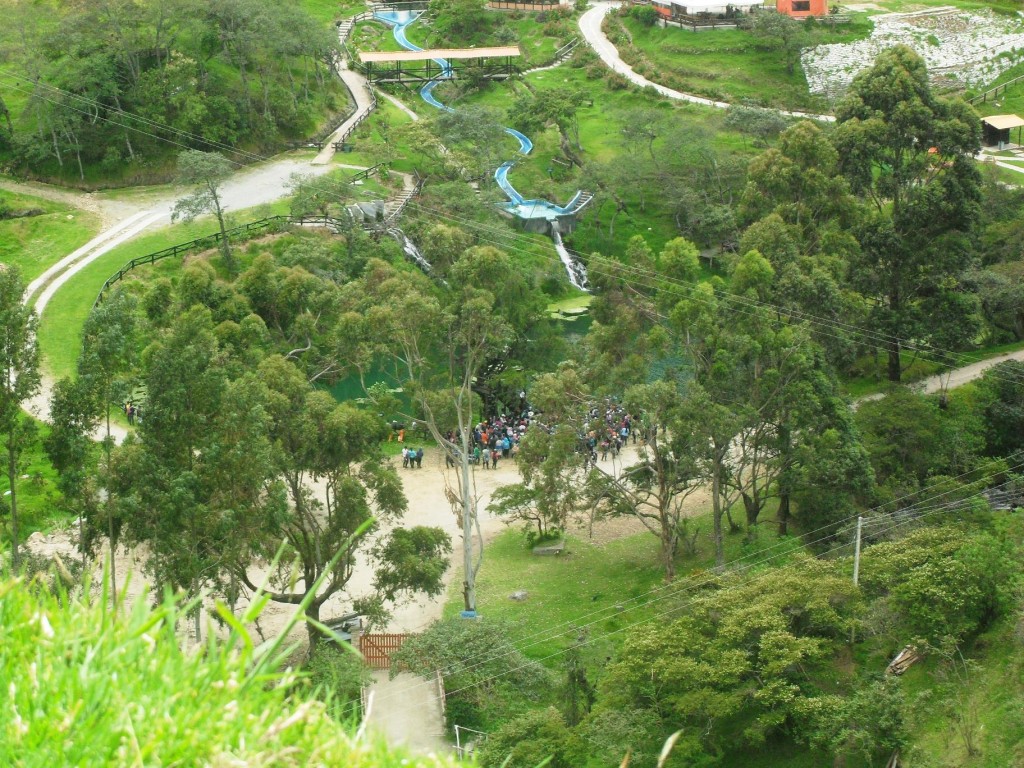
38, 498
33, 243
873, 379
603, 585
589, 584
1009, 176
727, 64
329, 11
60, 327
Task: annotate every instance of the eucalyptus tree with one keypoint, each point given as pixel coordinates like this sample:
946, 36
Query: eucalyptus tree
910, 156
165, 480
317, 443
206, 173
80, 408
19, 380
436, 342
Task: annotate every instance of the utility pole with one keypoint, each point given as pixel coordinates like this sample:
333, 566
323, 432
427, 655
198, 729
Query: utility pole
856, 553
856, 575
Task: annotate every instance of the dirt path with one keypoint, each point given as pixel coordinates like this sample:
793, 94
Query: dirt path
590, 26
109, 211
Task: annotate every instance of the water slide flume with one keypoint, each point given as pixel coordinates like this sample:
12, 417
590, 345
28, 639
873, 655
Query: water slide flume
517, 206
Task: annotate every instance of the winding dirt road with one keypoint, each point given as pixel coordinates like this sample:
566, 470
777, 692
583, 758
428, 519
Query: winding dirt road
590, 26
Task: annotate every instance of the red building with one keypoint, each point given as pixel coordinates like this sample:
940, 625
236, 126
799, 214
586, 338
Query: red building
802, 8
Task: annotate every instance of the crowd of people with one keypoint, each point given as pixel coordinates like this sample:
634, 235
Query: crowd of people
610, 427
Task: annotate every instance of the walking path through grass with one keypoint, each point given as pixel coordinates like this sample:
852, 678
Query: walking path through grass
590, 26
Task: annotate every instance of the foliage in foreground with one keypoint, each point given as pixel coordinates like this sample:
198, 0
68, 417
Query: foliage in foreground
83, 686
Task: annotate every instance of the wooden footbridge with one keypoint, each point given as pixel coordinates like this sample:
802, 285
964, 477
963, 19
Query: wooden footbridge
418, 67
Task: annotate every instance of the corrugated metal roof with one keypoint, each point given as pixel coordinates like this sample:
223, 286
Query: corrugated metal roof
439, 53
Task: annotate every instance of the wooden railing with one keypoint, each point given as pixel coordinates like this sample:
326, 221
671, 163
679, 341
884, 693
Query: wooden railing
367, 172
243, 231
359, 121
993, 93
200, 243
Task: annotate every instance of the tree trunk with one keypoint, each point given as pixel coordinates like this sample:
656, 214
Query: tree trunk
312, 632
783, 514
668, 551
196, 615
750, 506
716, 503
12, 476
469, 582
895, 369
110, 516
225, 247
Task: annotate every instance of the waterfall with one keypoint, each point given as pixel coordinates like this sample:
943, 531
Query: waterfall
411, 250
574, 267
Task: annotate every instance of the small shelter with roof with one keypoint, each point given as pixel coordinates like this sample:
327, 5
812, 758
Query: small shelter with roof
998, 129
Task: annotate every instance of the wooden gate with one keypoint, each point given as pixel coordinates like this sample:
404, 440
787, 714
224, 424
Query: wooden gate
377, 648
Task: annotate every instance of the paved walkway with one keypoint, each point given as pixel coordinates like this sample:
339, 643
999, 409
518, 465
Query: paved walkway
365, 103
407, 712
590, 26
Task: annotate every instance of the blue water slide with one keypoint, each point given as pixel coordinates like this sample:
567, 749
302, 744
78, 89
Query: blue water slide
517, 205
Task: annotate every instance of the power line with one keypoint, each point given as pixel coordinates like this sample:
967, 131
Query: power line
869, 337
676, 590
692, 586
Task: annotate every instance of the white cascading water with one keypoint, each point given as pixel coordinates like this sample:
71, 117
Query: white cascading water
574, 268
412, 251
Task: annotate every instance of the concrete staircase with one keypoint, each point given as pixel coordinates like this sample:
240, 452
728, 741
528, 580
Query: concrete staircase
395, 205
582, 201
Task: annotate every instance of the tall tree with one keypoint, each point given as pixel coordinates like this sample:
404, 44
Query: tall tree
318, 442
910, 155
162, 482
109, 351
19, 380
205, 172
437, 343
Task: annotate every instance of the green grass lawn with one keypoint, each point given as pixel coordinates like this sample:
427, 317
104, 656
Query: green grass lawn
60, 327
33, 243
605, 586
329, 11
874, 380
727, 64
38, 496
588, 585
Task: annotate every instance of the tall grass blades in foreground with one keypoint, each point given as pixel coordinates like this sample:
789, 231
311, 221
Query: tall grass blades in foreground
81, 685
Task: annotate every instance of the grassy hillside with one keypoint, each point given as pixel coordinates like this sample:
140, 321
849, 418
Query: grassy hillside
35, 242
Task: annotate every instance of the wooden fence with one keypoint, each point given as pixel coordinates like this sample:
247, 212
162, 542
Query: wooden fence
993, 93
246, 230
377, 648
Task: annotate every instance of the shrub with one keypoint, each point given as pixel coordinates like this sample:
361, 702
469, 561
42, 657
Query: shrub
530, 740
338, 676
615, 81
645, 14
